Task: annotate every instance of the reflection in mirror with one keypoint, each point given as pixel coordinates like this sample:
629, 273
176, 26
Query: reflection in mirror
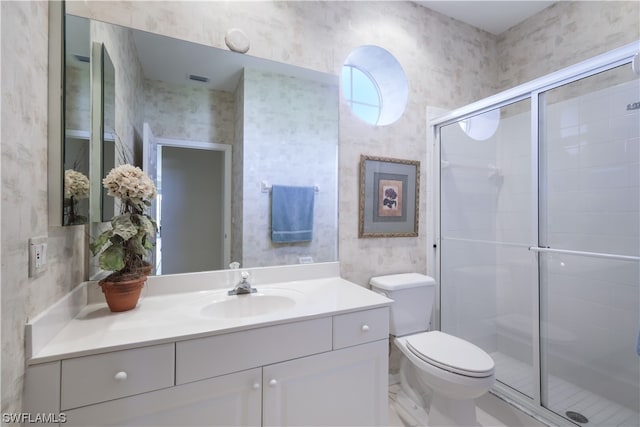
109, 126
77, 121
257, 120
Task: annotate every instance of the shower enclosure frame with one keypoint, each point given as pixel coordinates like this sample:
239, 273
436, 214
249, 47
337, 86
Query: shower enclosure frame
530, 90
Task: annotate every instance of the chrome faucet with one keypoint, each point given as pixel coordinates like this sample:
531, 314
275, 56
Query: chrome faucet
244, 287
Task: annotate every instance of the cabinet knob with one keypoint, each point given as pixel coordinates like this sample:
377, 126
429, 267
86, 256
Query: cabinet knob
120, 376
256, 386
273, 383
365, 328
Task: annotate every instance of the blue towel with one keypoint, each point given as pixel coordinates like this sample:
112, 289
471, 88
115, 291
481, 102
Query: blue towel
291, 214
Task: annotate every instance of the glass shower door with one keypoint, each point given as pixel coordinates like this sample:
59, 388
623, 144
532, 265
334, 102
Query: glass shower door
488, 276
589, 248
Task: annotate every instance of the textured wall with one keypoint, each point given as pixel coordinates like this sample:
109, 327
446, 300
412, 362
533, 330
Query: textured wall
24, 191
129, 83
564, 34
290, 138
77, 93
189, 112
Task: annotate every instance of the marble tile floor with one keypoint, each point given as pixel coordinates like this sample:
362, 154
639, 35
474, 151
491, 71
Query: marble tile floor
491, 412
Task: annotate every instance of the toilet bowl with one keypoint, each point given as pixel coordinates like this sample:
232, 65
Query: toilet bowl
456, 372
452, 370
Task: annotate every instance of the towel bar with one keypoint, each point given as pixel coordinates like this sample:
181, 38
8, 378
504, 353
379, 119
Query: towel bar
265, 187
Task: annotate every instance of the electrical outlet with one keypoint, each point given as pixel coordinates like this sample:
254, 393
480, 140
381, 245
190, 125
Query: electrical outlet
37, 255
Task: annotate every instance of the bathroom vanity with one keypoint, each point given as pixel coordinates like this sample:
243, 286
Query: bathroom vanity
297, 352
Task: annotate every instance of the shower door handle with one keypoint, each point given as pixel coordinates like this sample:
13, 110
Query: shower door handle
547, 249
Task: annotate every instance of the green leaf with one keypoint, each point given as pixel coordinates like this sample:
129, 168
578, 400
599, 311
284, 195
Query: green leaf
153, 221
148, 226
124, 227
98, 243
112, 258
136, 246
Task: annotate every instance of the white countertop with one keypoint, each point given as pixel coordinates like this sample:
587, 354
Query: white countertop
177, 316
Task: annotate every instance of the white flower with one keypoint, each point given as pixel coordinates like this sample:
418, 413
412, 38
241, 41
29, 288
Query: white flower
76, 184
129, 182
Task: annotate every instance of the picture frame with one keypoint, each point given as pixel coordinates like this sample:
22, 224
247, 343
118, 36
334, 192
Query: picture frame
389, 197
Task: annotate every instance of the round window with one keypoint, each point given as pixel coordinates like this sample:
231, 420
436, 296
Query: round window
374, 85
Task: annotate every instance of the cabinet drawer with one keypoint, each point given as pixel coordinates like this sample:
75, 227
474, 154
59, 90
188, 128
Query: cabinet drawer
360, 327
91, 379
228, 400
221, 354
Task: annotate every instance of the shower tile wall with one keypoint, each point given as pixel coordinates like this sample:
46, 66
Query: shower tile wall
515, 222
487, 293
593, 142
469, 297
593, 205
589, 306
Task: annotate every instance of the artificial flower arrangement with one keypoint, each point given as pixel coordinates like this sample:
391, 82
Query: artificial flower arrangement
124, 246
76, 187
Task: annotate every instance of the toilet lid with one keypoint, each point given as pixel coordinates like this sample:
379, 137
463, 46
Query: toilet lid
451, 353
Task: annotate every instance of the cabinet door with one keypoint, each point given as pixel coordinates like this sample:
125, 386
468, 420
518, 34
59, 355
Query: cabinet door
346, 387
228, 400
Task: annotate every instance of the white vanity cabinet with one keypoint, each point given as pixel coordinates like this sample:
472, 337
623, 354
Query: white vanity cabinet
346, 387
228, 400
327, 371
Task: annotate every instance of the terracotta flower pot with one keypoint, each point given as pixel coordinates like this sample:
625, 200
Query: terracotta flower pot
145, 269
123, 295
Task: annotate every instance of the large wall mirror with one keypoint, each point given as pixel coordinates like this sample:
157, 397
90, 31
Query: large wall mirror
215, 130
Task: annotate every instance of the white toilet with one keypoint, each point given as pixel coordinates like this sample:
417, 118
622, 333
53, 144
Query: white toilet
451, 370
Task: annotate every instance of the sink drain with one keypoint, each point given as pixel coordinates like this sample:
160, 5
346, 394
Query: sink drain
577, 417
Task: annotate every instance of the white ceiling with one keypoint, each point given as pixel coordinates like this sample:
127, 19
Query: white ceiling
492, 16
172, 60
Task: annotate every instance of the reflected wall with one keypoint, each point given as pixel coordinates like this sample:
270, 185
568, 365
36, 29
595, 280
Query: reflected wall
289, 131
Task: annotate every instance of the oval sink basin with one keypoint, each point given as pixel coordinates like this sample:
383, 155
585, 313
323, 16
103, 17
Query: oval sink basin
248, 305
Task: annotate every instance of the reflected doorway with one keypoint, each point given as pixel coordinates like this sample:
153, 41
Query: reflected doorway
193, 207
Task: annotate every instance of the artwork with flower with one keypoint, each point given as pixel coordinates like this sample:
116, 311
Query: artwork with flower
76, 187
124, 246
390, 198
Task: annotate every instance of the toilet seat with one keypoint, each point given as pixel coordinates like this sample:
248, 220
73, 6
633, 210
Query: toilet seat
451, 354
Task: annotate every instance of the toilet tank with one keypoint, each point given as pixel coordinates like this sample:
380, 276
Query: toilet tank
413, 296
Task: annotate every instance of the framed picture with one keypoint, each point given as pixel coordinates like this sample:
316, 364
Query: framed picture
389, 197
